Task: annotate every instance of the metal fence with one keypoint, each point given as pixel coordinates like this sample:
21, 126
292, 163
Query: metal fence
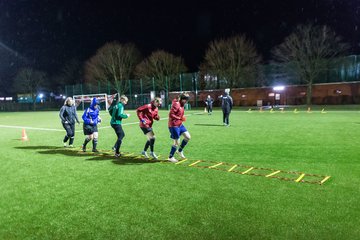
343, 70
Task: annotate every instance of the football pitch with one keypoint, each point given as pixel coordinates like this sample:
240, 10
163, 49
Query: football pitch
283, 175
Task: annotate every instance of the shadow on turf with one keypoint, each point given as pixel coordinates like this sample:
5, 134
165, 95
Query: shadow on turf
101, 156
209, 125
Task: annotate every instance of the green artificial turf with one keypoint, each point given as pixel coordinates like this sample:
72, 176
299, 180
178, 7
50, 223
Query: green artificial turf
51, 192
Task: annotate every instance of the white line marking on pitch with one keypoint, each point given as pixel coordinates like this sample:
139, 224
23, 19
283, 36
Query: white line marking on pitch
61, 130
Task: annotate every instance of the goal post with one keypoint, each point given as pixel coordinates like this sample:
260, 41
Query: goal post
86, 99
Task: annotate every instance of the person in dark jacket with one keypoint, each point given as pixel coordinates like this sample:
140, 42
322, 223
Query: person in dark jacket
209, 104
226, 106
68, 117
91, 120
116, 110
147, 114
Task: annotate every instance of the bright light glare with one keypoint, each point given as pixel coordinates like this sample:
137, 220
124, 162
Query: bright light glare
41, 95
279, 88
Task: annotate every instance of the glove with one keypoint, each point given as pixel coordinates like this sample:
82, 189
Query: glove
143, 121
99, 119
66, 122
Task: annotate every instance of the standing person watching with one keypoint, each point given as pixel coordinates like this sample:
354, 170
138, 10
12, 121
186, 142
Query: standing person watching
209, 104
68, 117
226, 106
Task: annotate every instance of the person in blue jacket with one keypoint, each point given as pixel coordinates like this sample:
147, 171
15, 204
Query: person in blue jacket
91, 120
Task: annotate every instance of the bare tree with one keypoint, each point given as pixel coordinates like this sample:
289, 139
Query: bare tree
29, 81
307, 52
234, 61
163, 67
113, 63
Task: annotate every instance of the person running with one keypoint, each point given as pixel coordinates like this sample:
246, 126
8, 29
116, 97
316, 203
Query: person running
226, 106
209, 104
116, 110
68, 117
91, 120
147, 114
176, 127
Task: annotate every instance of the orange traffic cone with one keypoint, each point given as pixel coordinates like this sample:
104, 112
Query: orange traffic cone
24, 136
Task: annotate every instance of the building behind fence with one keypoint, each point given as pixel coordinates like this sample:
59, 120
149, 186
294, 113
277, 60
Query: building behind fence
338, 85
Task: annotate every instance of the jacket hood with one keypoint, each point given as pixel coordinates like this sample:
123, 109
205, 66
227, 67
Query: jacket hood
94, 102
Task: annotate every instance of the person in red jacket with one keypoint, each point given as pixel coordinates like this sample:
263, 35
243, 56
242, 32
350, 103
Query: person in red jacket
147, 114
176, 127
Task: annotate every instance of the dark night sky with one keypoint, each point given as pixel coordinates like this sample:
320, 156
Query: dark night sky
46, 34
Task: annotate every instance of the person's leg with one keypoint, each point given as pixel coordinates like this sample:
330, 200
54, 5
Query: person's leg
95, 141
68, 133
120, 135
175, 136
88, 138
174, 147
147, 144
186, 135
224, 118
227, 119
72, 135
151, 137
185, 140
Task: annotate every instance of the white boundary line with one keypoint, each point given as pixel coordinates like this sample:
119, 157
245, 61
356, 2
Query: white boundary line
61, 130
33, 128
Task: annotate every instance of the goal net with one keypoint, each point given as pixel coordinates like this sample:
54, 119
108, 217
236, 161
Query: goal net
85, 100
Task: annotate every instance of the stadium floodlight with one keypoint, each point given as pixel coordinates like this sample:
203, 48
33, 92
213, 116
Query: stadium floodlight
279, 88
41, 95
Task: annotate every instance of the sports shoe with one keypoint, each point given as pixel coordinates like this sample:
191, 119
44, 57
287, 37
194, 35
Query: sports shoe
117, 155
71, 146
83, 148
114, 149
172, 159
64, 144
95, 150
144, 154
181, 154
153, 155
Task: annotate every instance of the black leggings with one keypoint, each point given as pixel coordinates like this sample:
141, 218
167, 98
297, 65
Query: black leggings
120, 135
70, 129
70, 132
226, 117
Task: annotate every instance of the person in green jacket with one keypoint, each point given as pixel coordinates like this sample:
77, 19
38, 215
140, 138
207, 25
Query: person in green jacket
116, 111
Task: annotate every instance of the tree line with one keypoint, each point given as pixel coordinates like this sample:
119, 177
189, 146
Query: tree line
235, 61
